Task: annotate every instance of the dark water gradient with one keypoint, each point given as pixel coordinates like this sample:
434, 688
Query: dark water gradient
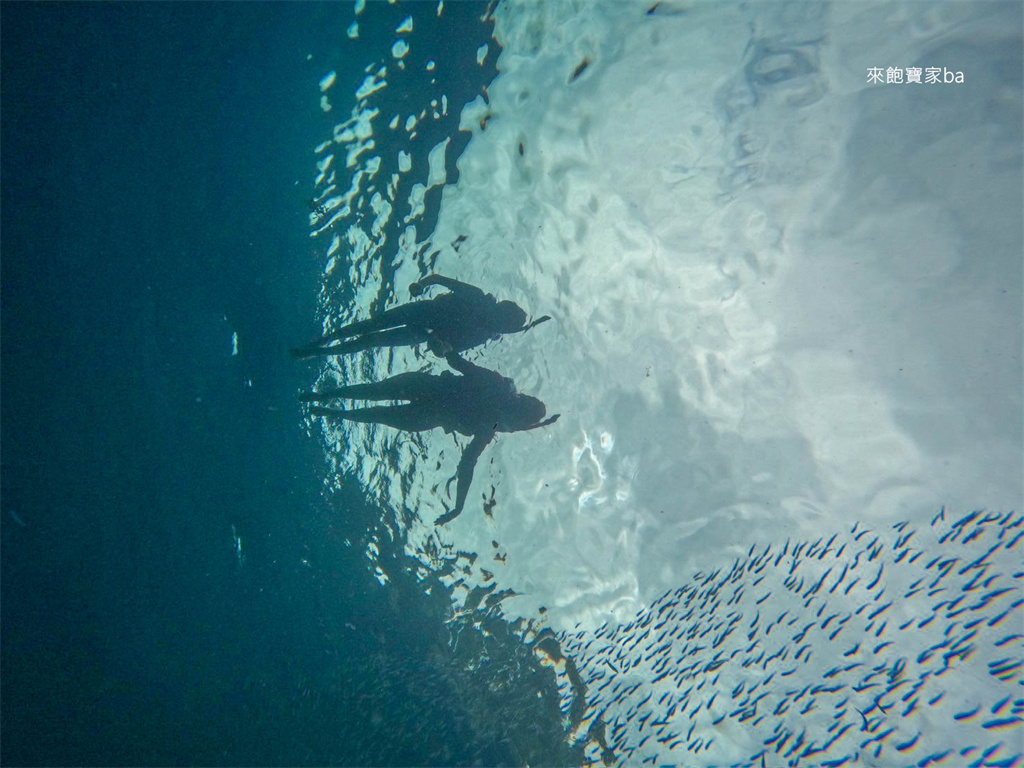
156, 171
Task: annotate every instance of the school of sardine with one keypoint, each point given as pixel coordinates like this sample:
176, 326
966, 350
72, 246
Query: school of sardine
894, 647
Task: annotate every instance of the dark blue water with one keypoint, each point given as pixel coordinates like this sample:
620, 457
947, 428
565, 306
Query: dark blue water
156, 172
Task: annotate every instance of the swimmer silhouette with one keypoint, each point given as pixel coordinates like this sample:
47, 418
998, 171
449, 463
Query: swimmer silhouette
452, 322
478, 404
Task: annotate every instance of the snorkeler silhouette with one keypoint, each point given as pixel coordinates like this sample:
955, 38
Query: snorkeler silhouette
452, 322
478, 404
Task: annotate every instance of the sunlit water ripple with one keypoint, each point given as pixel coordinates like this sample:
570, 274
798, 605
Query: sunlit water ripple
776, 351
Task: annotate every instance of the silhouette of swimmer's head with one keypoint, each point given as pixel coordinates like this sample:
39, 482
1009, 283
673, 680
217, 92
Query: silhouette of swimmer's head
522, 412
509, 317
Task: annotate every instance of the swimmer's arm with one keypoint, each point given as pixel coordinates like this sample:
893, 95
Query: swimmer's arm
467, 368
465, 474
464, 290
464, 367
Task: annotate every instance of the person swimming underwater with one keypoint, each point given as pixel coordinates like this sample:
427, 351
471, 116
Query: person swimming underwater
464, 318
478, 404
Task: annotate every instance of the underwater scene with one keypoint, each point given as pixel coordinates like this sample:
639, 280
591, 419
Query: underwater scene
767, 260
512, 382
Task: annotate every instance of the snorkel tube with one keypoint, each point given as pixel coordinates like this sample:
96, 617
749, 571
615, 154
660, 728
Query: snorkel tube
536, 322
545, 423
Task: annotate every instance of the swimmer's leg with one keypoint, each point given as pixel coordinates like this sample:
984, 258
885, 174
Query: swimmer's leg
394, 337
404, 386
414, 313
409, 418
